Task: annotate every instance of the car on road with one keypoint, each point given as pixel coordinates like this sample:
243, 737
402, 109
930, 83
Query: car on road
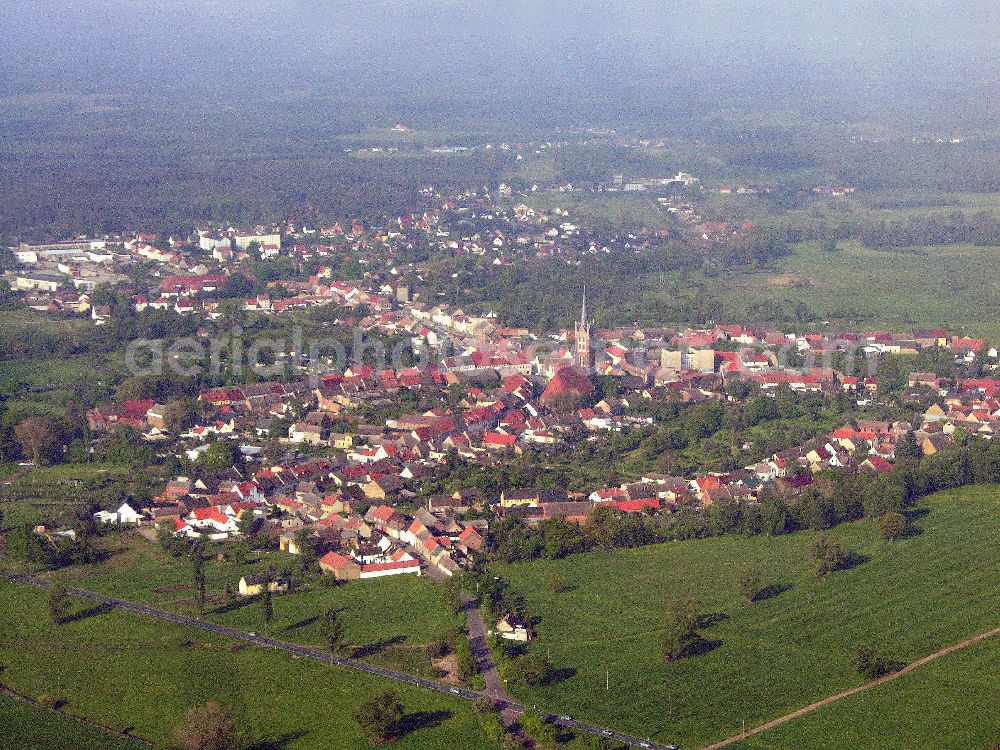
455, 691
565, 718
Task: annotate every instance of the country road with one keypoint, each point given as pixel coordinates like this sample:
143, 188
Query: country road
478, 642
347, 663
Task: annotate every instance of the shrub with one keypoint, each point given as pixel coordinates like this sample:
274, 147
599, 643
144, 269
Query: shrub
830, 554
468, 666
680, 635
893, 526
871, 665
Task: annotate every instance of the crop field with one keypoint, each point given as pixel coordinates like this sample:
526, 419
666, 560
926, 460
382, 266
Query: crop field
906, 599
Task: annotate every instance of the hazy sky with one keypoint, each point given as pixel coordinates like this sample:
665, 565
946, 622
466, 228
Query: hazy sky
581, 46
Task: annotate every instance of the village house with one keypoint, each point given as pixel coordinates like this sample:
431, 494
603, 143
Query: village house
513, 628
252, 585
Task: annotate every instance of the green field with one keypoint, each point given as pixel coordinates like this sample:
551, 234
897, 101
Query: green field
127, 671
390, 620
951, 286
26, 726
39, 493
908, 599
617, 209
951, 703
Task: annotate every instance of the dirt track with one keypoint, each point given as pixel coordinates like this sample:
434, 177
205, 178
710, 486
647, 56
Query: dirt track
853, 691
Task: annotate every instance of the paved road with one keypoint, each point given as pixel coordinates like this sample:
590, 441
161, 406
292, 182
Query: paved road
487, 666
312, 653
253, 638
481, 650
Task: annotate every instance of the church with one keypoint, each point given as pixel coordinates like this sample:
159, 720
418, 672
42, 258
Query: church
581, 338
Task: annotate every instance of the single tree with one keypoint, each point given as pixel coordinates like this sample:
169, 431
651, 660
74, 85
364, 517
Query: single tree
332, 630
198, 570
893, 526
219, 456
680, 633
133, 388
544, 734
829, 554
380, 715
246, 524
39, 439
238, 285
751, 583
531, 670
307, 552
267, 605
59, 603
209, 727
465, 659
451, 595
179, 414
908, 448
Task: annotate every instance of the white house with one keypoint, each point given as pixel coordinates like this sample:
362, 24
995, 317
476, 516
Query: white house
380, 570
126, 515
211, 520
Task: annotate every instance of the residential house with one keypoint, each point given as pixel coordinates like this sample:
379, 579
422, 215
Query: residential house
252, 585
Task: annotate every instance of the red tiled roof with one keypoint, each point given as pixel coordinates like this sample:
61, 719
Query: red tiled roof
379, 567
499, 438
636, 506
210, 514
334, 560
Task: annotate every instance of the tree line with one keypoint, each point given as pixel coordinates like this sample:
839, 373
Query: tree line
834, 497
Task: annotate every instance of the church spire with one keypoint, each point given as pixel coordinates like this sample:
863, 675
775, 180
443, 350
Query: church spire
581, 332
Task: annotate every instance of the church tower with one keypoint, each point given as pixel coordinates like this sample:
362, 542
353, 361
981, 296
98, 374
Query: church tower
581, 336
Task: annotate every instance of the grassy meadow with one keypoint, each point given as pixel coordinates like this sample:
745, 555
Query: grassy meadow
951, 703
27, 726
858, 288
906, 600
389, 621
131, 672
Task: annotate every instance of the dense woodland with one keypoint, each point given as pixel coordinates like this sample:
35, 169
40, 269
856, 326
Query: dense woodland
159, 165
